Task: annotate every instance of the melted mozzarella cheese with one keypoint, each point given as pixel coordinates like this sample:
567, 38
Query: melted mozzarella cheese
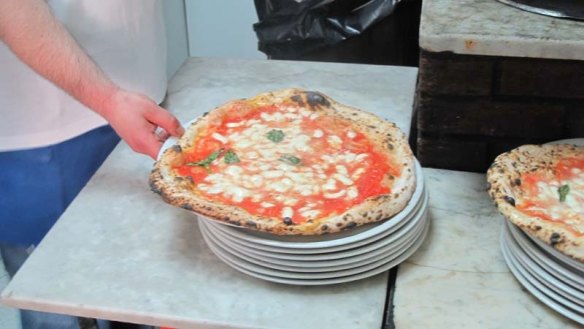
220, 138
262, 172
547, 200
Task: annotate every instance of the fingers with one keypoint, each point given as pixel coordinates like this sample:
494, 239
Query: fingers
165, 120
146, 139
153, 152
152, 146
137, 120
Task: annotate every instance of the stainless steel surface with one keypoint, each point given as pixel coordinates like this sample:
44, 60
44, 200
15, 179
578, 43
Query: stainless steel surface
570, 9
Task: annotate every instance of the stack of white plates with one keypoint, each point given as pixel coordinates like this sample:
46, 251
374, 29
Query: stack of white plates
552, 277
329, 259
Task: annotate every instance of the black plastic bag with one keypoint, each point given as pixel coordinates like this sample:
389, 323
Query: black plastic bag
296, 27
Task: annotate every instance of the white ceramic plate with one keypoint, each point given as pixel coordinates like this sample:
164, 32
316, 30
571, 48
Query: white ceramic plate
564, 291
545, 260
303, 275
312, 272
553, 304
533, 286
322, 254
564, 259
343, 239
313, 282
376, 253
335, 258
298, 252
539, 278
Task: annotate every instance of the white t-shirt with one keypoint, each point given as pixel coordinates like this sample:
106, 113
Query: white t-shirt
125, 38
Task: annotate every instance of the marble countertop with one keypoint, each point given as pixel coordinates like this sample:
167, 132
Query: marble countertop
488, 27
121, 253
458, 278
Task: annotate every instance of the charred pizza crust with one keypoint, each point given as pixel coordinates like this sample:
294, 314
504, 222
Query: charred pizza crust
391, 141
504, 179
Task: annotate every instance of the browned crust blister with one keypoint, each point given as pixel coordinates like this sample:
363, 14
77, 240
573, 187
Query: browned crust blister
504, 179
180, 192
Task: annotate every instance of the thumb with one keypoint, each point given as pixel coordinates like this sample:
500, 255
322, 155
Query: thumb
164, 119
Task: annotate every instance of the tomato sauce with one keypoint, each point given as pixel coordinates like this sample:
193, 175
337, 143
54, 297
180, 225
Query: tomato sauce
376, 166
535, 206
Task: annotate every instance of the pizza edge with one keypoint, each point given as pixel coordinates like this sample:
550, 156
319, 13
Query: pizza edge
503, 189
174, 190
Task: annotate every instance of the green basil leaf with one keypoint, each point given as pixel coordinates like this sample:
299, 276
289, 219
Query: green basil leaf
563, 192
290, 159
275, 135
207, 161
230, 157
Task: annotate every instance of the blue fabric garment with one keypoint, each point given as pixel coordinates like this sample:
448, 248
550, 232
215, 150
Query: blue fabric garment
37, 185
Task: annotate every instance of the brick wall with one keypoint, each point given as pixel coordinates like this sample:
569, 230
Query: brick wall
468, 109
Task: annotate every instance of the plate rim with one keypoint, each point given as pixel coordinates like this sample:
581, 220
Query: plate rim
542, 277
323, 274
321, 265
535, 292
542, 258
304, 275
564, 259
391, 264
307, 251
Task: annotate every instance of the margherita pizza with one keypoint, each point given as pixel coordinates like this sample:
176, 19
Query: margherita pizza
540, 188
288, 162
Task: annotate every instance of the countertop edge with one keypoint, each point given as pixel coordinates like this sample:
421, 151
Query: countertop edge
466, 44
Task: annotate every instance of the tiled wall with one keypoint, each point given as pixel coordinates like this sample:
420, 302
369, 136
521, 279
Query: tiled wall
469, 109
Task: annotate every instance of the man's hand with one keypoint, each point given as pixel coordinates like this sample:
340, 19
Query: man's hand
32, 32
135, 118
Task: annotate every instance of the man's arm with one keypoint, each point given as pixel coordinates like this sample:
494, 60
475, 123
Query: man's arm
32, 32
